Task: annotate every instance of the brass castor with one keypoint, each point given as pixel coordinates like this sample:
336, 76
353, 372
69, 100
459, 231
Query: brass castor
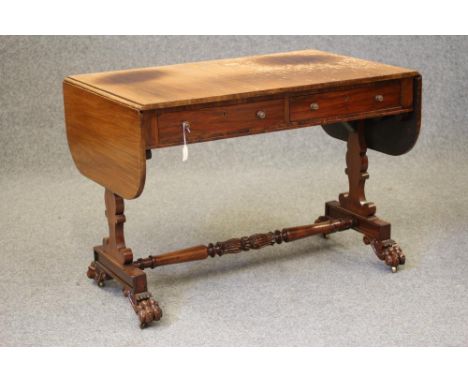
94, 272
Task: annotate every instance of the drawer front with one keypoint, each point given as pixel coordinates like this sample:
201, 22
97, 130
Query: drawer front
319, 106
220, 122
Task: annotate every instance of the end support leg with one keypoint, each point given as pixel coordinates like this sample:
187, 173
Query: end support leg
113, 260
354, 204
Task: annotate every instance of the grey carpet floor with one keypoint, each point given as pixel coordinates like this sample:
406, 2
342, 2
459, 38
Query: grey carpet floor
313, 292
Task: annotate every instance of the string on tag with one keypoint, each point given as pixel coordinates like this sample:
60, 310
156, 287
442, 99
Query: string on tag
185, 128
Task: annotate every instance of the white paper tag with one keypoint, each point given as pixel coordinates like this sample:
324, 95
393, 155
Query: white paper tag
185, 128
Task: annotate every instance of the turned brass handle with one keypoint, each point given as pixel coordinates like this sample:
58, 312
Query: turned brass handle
314, 106
261, 114
379, 98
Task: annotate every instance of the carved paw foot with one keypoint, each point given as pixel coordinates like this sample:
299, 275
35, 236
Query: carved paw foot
94, 272
388, 251
146, 308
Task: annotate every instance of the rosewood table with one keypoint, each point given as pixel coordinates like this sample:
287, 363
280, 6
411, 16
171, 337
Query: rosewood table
114, 120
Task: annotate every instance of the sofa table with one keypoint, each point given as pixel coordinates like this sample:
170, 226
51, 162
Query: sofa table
114, 120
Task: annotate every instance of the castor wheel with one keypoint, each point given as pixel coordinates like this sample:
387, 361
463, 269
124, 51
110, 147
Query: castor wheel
95, 272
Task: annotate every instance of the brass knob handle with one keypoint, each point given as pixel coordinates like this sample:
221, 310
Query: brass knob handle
379, 98
261, 114
314, 106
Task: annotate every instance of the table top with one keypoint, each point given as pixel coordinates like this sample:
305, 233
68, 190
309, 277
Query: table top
234, 79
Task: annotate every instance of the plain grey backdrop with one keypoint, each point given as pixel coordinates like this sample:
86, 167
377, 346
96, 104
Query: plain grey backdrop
312, 292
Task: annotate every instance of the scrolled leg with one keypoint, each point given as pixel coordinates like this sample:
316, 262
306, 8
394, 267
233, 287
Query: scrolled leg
388, 251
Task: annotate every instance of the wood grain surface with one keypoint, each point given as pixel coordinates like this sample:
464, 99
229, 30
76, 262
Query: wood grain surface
114, 117
106, 141
220, 122
347, 102
234, 79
